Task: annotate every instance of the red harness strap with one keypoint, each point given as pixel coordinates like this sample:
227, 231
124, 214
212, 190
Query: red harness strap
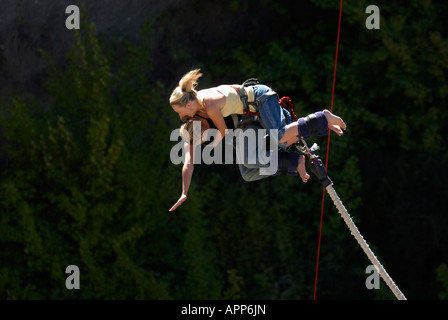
250, 113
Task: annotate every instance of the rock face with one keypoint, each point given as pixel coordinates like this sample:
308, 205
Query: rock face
29, 25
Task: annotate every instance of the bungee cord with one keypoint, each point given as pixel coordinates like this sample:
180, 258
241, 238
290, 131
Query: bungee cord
318, 169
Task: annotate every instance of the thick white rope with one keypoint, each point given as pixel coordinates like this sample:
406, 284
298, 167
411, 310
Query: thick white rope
355, 232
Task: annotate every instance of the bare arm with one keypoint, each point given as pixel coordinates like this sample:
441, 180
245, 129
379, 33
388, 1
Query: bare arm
187, 174
187, 169
214, 112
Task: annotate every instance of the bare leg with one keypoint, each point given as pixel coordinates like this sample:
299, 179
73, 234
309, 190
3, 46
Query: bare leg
291, 134
302, 170
335, 124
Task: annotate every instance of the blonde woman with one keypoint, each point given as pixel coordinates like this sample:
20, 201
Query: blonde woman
219, 102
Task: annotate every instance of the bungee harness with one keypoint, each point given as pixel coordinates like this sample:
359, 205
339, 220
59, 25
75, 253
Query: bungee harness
287, 159
257, 102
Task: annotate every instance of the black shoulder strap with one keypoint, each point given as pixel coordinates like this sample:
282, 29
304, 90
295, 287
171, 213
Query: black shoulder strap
243, 94
250, 82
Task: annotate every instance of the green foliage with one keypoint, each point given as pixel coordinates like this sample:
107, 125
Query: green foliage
442, 277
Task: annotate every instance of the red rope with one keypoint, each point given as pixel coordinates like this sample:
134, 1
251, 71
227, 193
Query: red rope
287, 104
328, 149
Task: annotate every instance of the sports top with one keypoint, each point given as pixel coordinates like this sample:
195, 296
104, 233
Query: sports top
233, 103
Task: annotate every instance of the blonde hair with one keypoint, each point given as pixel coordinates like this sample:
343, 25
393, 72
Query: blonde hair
186, 132
193, 136
186, 90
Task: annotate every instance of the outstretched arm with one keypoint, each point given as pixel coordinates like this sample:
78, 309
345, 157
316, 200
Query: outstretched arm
187, 174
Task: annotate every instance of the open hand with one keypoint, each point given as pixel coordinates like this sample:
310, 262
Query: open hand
179, 202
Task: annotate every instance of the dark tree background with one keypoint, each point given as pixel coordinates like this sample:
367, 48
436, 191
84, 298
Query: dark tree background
86, 178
